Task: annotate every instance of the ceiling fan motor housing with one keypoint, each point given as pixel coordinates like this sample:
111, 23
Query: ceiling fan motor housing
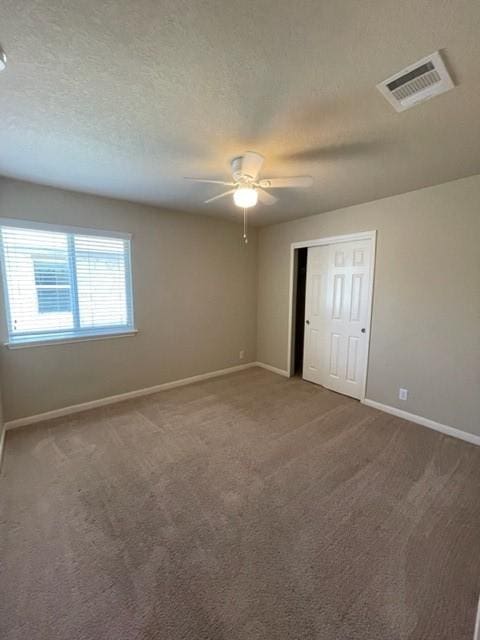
239, 175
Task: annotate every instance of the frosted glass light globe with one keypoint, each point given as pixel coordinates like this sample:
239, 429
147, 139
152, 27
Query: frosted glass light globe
245, 197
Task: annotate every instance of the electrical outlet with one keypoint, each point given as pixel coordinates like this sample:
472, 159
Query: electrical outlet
402, 394
242, 354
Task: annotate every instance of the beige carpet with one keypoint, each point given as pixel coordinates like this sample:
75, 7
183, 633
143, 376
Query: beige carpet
245, 507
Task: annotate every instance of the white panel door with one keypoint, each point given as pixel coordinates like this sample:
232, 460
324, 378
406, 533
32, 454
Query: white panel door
314, 349
336, 314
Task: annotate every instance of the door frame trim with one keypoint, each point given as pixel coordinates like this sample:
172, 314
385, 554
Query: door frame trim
318, 242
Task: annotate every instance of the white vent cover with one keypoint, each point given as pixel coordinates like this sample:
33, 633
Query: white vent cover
420, 81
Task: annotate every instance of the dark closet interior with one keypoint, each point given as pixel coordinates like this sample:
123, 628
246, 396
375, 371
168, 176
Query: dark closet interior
301, 284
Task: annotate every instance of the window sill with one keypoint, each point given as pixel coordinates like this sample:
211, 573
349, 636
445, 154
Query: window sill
50, 341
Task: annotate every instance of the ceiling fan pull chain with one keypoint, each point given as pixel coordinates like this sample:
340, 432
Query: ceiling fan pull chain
245, 239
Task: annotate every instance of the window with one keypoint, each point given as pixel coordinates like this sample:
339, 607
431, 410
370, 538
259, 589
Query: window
62, 283
53, 285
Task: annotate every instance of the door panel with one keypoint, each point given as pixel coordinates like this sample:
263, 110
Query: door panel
317, 294
338, 287
315, 339
314, 349
335, 343
352, 358
356, 297
336, 312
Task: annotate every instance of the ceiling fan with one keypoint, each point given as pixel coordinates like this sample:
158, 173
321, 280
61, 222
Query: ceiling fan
247, 188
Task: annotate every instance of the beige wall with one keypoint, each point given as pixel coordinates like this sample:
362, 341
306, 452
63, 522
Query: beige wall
195, 303
426, 312
2, 426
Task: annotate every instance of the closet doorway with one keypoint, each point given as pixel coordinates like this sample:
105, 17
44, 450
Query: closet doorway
331, 302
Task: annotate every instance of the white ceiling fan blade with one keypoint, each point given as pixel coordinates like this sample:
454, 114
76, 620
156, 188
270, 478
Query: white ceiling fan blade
227, 193
266, 198
280, 183
251, 163
225, 184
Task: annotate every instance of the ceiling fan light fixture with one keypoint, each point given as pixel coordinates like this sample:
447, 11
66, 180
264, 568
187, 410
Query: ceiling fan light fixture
245, 197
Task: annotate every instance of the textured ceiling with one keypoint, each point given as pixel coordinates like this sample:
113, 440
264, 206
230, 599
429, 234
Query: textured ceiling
124, 98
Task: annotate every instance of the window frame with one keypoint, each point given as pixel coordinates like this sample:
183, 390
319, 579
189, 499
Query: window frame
76, 334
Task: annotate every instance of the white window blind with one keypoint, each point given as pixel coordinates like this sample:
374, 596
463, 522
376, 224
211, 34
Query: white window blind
64, 283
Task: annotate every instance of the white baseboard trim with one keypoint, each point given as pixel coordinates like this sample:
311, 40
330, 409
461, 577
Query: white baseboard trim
476, 635
129, 395
280, 372
425, 422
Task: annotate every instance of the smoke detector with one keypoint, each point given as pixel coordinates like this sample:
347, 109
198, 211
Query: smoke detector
419, 82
